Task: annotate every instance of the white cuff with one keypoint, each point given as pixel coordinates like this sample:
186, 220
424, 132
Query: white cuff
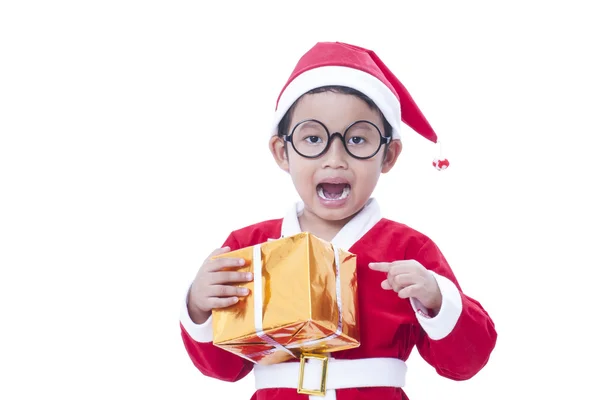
202, 333
444, 322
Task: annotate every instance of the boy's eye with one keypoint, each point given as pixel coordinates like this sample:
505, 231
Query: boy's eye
356, 140
312, 139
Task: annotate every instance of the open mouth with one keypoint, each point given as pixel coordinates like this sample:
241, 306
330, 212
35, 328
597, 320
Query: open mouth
333, 191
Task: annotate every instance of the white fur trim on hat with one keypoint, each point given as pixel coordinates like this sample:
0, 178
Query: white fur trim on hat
356, 79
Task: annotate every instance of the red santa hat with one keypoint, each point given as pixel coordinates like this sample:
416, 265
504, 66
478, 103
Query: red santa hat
341, 64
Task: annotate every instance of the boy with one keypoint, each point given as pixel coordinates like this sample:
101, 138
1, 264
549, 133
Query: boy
408, 295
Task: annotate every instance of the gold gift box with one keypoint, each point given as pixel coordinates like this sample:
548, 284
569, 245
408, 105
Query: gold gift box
306, 297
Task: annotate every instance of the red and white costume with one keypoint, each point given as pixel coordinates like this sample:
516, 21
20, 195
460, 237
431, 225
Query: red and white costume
457, 342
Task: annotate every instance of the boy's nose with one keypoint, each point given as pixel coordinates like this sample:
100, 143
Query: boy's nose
335, 157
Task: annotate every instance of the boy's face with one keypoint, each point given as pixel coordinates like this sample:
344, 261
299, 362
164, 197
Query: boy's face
334, 186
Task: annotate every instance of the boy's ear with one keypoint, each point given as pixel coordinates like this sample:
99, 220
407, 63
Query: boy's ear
278, 150
391, 155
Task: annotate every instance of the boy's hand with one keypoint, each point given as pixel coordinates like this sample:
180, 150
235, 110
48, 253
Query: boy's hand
212, 287
411, 279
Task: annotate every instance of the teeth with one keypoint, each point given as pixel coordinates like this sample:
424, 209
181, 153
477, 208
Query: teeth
344, 194
321, 193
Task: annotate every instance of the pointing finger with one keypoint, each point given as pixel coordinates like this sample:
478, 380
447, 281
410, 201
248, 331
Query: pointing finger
381, 266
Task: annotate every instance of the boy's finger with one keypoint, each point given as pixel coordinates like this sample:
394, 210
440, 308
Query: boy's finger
220, 263
386, 285
218, 251
230, 277
403, 280
227, 291
408, 291
381, 266
222, 302
403, 266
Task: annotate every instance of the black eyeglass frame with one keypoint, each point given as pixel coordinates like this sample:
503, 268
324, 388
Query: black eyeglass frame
385, 140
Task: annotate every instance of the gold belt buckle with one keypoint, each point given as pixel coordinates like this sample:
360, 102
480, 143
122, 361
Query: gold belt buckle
316, 392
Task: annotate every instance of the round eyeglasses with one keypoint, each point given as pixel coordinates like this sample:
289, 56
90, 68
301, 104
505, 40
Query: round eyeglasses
311, 139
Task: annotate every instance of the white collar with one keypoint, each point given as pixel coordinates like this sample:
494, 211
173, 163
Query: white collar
348, 235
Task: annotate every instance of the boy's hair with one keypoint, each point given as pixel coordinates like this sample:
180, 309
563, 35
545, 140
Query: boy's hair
284, 125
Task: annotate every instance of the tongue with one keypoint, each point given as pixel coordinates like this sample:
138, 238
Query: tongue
333, 190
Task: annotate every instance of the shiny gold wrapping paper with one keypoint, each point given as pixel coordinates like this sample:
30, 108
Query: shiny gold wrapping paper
299, 302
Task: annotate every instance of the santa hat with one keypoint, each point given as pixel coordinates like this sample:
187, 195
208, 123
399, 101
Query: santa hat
341, 64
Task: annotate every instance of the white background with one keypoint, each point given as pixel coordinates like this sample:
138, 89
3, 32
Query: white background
133, 140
